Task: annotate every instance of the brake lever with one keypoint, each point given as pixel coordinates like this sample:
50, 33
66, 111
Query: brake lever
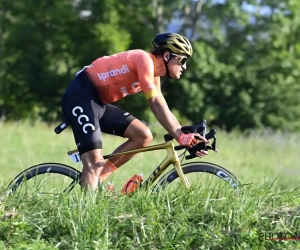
201, 145
212, 134
214, 144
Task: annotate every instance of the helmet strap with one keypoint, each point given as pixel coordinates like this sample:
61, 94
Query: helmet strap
166, 64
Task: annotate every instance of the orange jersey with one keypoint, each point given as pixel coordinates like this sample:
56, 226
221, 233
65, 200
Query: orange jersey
123, 74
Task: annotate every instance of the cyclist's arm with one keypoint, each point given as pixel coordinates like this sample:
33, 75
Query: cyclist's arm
158, 104
152, 91
168, 120
165, 117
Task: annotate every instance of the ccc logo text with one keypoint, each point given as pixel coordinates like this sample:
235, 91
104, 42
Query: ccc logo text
82, 119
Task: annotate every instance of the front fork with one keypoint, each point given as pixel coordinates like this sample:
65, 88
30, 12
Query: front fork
181, 175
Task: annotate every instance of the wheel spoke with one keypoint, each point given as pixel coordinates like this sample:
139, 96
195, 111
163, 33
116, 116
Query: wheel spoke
48, 178
201, 176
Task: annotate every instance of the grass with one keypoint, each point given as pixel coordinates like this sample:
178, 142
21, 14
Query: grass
215, 218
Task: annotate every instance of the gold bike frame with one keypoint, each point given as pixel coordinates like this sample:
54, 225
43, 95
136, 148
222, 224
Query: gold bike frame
172, 158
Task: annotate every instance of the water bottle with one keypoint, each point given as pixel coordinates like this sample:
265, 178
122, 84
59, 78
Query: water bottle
132, 184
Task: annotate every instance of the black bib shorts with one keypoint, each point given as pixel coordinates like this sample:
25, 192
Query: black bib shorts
88, 117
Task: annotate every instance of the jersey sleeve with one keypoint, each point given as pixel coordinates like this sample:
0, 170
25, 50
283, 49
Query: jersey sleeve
150, 85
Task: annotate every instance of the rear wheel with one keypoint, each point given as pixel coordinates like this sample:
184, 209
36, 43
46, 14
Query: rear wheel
200, 174
46, 178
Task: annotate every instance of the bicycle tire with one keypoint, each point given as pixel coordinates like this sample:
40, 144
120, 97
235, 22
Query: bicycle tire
203, 167
44, 168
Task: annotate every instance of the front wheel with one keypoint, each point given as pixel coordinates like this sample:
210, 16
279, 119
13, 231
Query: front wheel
45, 178
204, 174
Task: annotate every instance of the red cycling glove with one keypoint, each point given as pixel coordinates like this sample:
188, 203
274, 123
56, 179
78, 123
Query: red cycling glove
187, 140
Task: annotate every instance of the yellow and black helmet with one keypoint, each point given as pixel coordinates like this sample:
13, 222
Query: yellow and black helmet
177, 43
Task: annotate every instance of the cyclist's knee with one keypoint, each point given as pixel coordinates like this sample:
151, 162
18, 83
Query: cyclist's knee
139, 133
143, 137
93, 161
95, 168
90, 173
146, 138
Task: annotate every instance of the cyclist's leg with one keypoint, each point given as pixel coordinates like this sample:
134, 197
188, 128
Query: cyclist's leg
139, 135
119, 122
93, 164
83, 110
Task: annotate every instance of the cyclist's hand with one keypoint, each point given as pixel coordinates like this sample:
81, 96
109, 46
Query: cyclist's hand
201, 153
190, 140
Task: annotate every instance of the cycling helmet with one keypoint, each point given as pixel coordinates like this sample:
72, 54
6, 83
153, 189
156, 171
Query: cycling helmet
177, 43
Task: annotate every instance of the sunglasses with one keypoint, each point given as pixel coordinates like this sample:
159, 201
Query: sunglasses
182, 59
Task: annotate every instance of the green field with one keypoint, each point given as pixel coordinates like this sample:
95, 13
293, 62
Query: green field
206, 219
256, 158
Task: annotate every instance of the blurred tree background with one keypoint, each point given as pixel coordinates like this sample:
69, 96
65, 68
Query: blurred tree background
245, 72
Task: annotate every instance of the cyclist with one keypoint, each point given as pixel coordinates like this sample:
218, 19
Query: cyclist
86, 103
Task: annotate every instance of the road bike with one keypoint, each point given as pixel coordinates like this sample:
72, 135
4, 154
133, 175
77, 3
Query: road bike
185, 174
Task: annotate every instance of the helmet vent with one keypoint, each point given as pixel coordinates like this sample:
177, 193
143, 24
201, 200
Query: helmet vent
176, 46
